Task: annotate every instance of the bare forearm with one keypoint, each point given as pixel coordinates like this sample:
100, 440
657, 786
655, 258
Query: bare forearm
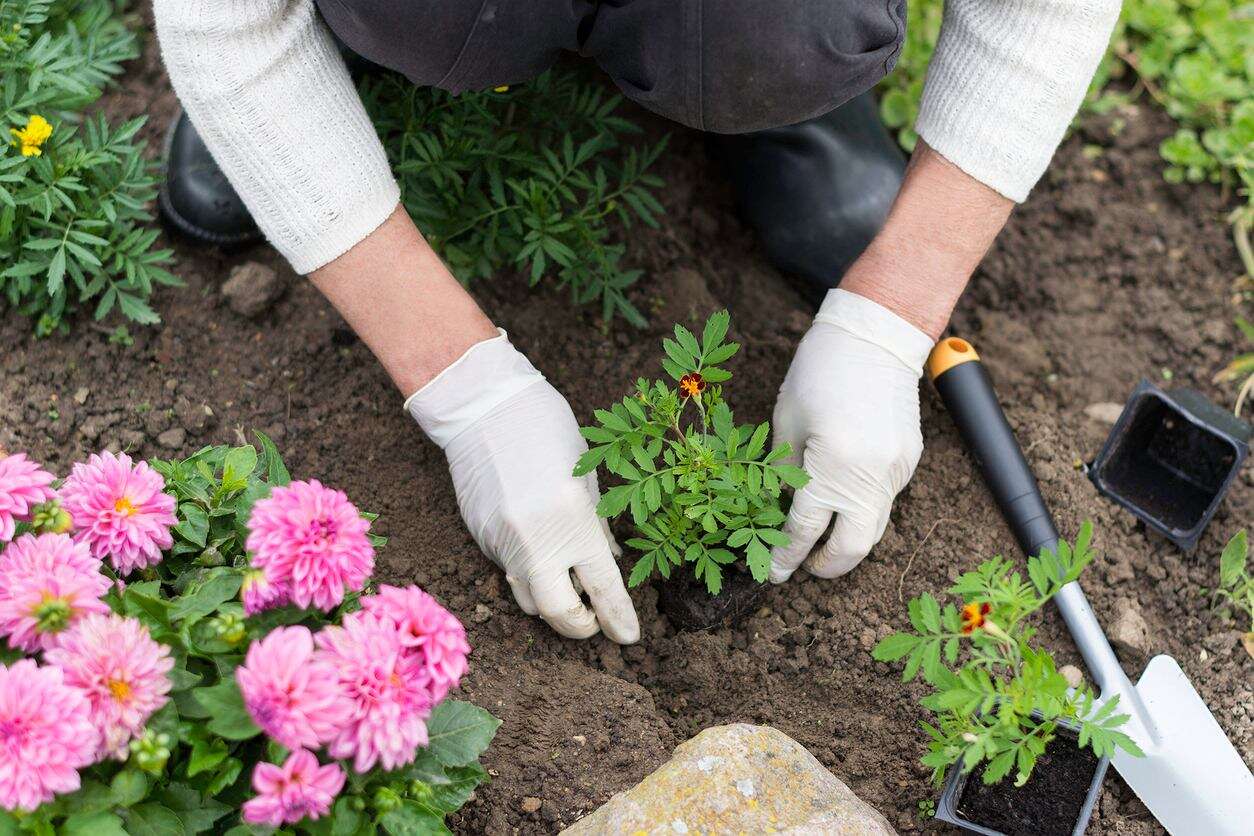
398, 296
940, 226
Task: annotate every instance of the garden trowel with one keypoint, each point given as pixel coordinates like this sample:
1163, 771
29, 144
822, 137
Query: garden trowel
1191, 777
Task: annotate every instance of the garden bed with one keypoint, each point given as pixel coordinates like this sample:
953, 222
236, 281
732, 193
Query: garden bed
1106, 275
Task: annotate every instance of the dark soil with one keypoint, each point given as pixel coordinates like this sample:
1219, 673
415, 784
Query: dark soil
687, 604
1049, 804
1106, 275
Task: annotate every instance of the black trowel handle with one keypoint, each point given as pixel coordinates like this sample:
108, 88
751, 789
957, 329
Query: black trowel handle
965, 387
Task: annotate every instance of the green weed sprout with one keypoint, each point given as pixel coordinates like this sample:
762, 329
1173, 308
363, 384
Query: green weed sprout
699, 488
1003, 704
74, 224
528, 177
1236, 584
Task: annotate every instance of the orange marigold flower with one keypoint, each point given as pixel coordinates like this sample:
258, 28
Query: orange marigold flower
692, 384
973, 617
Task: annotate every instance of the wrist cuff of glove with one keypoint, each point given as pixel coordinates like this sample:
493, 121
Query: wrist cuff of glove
869, 320
484, 377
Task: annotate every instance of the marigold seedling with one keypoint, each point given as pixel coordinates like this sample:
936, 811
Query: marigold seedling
699, 488
1003, 704
75, 228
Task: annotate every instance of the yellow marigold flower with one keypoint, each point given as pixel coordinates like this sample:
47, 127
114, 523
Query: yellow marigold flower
691, 385
974, 616
35, 134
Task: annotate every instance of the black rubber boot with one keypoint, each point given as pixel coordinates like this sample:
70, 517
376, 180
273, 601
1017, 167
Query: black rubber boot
196, 198
816, 193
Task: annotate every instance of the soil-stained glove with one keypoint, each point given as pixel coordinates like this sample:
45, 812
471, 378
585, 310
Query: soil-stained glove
512, 442
849, 406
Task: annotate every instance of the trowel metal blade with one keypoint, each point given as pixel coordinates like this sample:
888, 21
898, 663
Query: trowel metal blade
1192, 778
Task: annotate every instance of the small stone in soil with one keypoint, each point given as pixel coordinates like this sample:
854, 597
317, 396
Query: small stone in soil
80, 395
1104, 412
1130, 632
482, 614
252, 288
530, 804
172, 439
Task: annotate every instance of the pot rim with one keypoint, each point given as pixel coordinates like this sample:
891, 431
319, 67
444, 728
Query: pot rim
956, 780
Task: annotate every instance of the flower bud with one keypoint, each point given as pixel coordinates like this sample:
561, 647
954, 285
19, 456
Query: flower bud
386, 799
50, 518
151, 751
230, 627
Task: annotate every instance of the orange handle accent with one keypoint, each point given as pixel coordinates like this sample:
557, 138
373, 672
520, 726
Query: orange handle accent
948, 353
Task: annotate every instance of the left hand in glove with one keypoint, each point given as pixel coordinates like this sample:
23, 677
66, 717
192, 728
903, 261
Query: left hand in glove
849, 406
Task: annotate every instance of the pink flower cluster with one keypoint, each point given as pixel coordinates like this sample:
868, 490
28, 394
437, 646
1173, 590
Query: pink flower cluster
102, 675
99, 685
363, 688
310, 544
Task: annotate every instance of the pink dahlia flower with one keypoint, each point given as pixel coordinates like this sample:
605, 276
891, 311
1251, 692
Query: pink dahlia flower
293, 695
258, 593
122, 671
424, 625
298, 789
388, 685
119, 510
311, 540
23, 485
45, 735
47, 583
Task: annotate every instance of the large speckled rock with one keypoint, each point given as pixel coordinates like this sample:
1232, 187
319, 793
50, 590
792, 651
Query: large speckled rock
736, 779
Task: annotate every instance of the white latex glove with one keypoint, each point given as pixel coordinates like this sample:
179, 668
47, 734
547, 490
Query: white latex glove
849, 406
512, 442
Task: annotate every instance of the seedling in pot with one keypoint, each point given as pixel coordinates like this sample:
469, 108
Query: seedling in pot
1001, 705
700, 489
1236, 585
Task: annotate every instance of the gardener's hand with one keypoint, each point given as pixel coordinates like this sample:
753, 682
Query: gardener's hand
512, 442
849, 406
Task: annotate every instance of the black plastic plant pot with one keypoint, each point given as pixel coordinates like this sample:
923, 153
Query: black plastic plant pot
1058, 799
1170, 459
689, 606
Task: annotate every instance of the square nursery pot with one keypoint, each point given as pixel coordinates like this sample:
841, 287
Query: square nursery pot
1058, 800
1170, 459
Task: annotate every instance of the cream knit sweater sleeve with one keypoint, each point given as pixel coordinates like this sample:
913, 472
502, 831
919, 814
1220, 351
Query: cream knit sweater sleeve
1006, 80
269, 93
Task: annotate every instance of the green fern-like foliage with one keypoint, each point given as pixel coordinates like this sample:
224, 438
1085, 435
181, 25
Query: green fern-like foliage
700, 489
75, 229
995, 697
528, 177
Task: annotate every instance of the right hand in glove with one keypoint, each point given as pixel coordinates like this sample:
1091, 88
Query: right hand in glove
512, 443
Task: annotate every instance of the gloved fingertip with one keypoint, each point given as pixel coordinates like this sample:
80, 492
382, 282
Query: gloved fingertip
779, 574
575, 623
831, 567
522, 594
622, 628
